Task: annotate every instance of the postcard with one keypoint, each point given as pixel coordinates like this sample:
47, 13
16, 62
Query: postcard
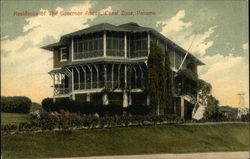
125, 79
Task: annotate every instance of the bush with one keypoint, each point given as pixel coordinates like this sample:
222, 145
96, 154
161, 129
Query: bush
138, 110
110, 110
89, 108
8, 127
70, 105
245, 117
47, 104
17, 104
26, 126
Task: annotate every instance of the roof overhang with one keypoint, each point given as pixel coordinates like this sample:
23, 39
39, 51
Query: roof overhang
104, 60
129, 27
50, 47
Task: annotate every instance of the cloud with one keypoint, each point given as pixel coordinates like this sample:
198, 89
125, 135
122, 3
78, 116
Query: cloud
4, 37
37, 28
228, 75
183, 33
245, 46
174, 24
24, 65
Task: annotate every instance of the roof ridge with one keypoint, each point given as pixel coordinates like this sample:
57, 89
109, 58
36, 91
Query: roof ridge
131, 24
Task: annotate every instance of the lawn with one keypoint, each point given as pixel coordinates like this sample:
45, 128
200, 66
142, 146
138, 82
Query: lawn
13, 118
136, 140
16, 118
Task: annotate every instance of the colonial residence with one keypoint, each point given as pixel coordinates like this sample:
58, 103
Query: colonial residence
103, 57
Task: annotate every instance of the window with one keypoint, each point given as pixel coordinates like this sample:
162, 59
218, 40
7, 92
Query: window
115, 44
63, 54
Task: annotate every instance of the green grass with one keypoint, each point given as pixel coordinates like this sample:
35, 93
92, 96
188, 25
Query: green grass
16, 118
13, 118
139, 140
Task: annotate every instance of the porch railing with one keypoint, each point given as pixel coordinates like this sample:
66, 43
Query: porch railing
139, 53
88, 54
109, 84
61, 91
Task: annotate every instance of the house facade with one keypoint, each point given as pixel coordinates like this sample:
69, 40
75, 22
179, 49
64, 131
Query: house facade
108, 64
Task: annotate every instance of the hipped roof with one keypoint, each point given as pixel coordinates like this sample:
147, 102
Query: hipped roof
128, 27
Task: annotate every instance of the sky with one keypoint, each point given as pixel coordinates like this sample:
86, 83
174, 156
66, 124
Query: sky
219, 30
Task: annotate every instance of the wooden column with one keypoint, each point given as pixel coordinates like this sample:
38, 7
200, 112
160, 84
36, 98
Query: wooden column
73, 95
88, 97
105, 96
148, 43
72, 49
182, 108
104, 44
125, 99
78, 73
125, 45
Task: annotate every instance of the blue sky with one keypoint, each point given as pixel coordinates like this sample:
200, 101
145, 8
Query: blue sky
219, 29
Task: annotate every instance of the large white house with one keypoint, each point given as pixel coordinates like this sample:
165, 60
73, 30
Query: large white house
105, 56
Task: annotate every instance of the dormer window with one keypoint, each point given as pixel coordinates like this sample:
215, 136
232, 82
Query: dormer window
64, 54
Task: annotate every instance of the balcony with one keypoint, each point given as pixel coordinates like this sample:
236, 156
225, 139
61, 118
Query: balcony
138, 53
88, 54
109, 85
61, 91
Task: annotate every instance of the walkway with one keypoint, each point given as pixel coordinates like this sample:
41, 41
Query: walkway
205, 155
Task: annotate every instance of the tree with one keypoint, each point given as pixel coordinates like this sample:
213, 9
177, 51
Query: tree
15, 104
204, 91
212, 110
159, 80
168, 85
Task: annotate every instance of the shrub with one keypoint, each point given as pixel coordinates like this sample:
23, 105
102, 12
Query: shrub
138, 109
16, 104
89, 108
70, 105
110, 110
26, 126
9, 127
48, 104
245, 117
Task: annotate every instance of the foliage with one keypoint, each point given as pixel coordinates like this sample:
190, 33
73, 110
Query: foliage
47, 104
245, 117
9, 127
168, 86
139, 109
15, 104
228, 113
27, 126
188, 74
133, 140
36, 107
81, 107
68, 121
159, 80
110, 110
204, 91
212, 112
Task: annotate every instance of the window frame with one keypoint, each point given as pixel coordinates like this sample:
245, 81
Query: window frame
61, 54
